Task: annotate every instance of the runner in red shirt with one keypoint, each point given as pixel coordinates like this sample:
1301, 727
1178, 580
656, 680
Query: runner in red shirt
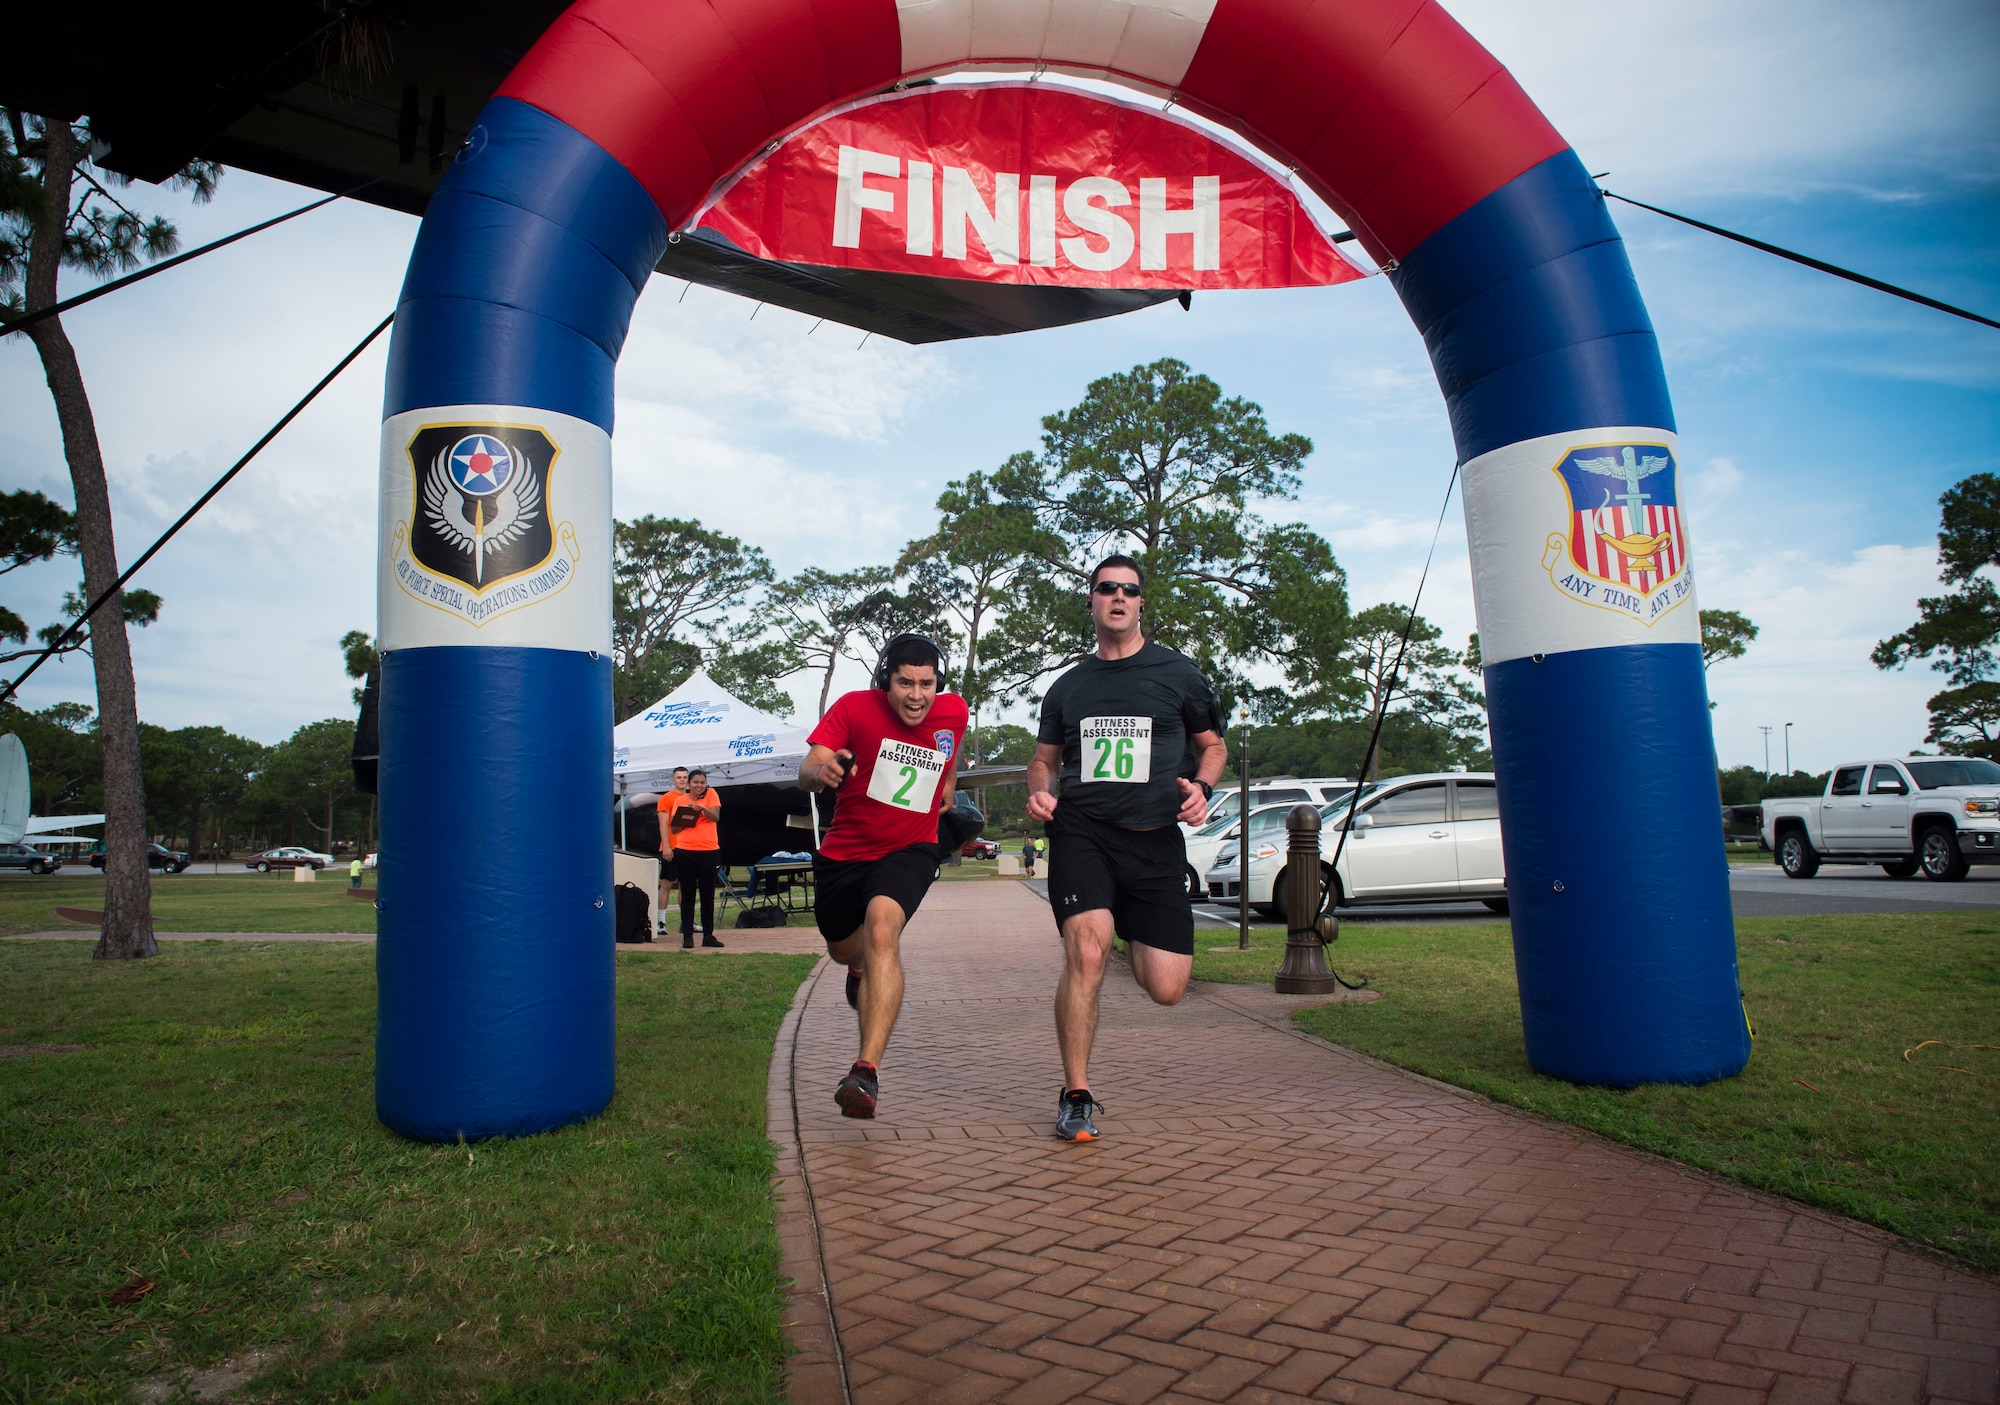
889, 752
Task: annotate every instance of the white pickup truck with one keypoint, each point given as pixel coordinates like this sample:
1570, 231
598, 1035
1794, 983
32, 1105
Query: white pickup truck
1940, 814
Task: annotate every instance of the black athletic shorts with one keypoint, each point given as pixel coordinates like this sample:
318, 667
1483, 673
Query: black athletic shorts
843, 888
1140, 875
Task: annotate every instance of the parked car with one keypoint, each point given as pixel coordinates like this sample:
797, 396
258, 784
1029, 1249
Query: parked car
980, 849
1217, 841
1940, 814
157, 856
1429, 838
28, 857
1276, 790
288, 857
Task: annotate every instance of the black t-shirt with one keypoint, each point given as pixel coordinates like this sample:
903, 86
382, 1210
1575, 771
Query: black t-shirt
1123, 725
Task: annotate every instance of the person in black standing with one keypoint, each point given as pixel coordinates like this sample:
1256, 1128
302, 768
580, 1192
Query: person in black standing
1135, 733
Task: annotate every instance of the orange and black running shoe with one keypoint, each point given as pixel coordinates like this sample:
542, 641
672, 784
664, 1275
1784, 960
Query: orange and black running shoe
1073, 1111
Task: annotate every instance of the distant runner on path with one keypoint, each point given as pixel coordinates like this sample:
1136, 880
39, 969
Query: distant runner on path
1137, 735
888, 752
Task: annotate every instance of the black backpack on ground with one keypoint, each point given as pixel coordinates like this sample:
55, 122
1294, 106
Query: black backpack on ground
633, 917
761, 917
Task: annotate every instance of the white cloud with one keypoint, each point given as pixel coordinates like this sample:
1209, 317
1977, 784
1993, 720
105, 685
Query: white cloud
1717, 480
672, 462
1776, 98
1818, 618
1394, 395
723, 354
1368, 530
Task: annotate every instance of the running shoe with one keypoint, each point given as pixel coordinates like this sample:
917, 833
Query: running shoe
708, 939
856, 1092
854, 987
1073, 1111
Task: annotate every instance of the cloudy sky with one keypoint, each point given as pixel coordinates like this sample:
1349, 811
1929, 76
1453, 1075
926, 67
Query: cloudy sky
1819, 421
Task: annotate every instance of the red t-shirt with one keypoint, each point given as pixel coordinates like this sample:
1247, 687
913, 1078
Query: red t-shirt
890, 800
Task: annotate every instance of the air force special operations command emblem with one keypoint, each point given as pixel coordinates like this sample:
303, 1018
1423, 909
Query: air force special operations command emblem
481, 497
481, 538
1626, 549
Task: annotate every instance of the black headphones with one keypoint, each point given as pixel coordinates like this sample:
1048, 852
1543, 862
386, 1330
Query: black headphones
881, 679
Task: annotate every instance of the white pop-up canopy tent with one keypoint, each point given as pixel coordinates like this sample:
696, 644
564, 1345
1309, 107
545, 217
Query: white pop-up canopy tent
701, 724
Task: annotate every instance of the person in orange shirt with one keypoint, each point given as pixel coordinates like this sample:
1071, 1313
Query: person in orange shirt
666, 808
697, 855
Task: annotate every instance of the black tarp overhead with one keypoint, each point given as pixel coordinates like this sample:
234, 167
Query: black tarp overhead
329, 96
905, 306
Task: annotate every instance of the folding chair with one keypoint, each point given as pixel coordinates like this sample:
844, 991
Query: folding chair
726, 892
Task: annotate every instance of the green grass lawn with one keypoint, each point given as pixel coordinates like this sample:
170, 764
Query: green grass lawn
1829, 1111
186, 902
215, 1134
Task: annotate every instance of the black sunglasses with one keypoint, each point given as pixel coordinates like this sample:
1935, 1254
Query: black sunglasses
1125, 588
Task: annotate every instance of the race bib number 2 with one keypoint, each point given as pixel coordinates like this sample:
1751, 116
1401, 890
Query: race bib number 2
1118, 750
906, 776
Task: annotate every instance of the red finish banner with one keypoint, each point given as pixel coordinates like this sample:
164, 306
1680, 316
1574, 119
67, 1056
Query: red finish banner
1025, 183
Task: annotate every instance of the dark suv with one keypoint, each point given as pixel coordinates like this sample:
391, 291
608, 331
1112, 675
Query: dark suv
157, 856
32, 859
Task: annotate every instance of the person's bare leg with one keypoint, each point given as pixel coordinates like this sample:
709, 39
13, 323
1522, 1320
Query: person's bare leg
876, 948
1161, 974
1086, 948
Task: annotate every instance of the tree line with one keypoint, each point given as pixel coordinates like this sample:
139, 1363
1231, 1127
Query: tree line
1157, 462
59, 209
208, 791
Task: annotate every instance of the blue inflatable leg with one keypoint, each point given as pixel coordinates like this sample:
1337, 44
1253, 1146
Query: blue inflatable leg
1623, 940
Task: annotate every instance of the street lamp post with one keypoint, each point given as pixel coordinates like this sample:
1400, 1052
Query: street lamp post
1243, 839
1788, 748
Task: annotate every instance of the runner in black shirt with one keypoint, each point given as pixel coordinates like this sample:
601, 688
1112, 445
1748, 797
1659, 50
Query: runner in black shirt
1136, 734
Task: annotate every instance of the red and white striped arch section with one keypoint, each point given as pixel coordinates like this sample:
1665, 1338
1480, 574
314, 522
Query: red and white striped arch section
1396, 115
495, 978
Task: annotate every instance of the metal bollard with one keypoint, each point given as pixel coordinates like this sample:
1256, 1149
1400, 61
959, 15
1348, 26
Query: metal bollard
1306, 932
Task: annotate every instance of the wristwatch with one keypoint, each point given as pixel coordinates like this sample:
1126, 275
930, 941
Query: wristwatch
1207, 790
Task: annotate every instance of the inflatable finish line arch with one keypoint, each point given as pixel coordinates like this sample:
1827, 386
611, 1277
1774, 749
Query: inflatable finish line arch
496, 979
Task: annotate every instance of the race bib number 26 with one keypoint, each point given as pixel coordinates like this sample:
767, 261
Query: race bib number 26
906, 776
1118, 750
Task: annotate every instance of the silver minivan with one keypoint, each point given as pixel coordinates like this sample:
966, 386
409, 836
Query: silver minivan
1428, 838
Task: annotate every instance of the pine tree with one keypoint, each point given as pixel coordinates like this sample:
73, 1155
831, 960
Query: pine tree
57, 210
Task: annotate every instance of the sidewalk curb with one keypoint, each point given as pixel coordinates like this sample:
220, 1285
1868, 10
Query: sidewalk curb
815, 1373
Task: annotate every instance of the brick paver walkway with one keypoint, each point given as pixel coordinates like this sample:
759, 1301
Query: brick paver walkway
1271, 1219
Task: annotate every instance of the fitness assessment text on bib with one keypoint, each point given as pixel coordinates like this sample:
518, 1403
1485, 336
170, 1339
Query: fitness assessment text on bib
1117, 749
905, 775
